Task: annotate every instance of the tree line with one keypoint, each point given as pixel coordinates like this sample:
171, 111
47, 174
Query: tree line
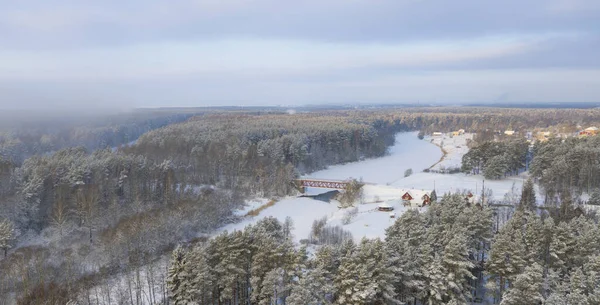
496, 159
431, 258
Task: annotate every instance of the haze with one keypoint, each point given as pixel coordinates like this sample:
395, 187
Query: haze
85, 55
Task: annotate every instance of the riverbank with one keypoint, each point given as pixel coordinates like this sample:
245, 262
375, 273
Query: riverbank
408, 152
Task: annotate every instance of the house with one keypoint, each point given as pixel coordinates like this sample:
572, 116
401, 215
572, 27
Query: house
458, 132
437, 134
509, 132
543, 136
416, 198
590, 131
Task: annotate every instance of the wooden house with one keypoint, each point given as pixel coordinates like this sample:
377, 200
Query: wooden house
416, 198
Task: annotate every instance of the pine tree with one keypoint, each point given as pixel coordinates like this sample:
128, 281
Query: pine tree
526, 288
594, 197
457, 266
7, 233
534, 238
528, 201
179, 279
408, 254
313, 288
203, 280
495, 168
577, 288
561, 247
435, 288
433, 196
507, 256
346, 282
264, 260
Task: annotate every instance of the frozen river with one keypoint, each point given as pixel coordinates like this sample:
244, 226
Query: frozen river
407, 152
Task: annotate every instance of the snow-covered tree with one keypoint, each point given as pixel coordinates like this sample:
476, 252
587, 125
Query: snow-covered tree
507, 256
526, 288
457, 267
408, 254
312, 288
179, 278
528, 201
7, 234
496, 167
433, 196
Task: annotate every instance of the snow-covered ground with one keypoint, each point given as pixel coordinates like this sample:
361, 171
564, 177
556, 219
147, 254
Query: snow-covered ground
386, 183
407, 152
368, 223
302, 210
251, 205
455, 147
445, 183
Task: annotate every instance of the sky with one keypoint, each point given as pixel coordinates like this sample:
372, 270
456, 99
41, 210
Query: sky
83, 54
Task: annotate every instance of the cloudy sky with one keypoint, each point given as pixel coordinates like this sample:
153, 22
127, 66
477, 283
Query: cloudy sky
148, 53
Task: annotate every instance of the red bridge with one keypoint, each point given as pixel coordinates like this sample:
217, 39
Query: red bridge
301, 184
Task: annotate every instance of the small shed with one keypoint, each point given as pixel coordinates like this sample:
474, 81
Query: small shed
385, 207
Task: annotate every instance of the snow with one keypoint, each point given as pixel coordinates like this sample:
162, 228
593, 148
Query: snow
369, 222
302, 210
250, 205
407, 152
385, 184
455, 147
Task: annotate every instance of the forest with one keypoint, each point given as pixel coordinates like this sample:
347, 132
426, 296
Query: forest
436, 257
79, 213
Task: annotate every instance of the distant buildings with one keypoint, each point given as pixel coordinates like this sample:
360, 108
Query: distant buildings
590, 131
509, 132
458, 132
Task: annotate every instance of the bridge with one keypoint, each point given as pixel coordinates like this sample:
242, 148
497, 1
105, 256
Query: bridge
302, 184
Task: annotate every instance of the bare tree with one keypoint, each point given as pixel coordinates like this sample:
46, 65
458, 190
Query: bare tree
87, 206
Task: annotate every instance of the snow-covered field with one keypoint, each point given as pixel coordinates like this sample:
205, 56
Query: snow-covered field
368, 223
407, 152
302, 210
386, 183
455, 148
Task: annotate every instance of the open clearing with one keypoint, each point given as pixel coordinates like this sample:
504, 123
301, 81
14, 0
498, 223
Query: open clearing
388, 185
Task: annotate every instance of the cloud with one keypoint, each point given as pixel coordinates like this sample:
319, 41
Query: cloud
239, 58
187, 52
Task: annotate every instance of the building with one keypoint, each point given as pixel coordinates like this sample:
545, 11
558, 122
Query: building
509, 132
385, 207
542, 136
437, 134
416, 198
458, 132
590, 131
